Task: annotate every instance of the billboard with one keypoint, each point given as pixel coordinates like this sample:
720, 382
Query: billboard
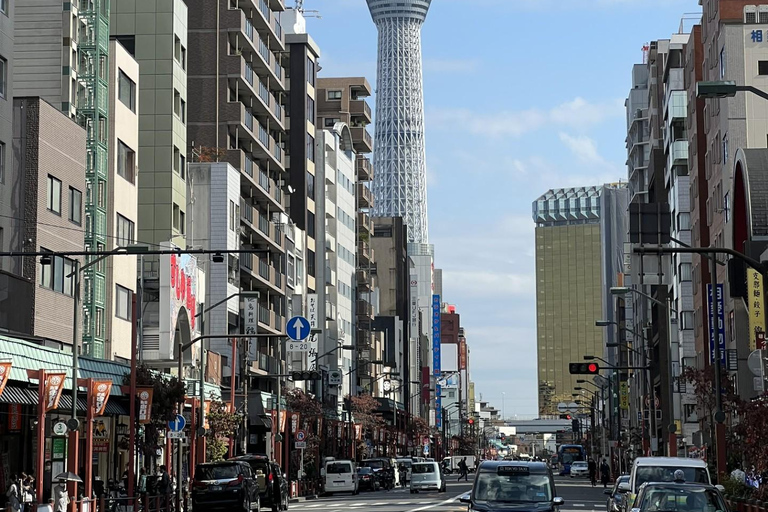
718, 333
436, 366
178, 301
756, 306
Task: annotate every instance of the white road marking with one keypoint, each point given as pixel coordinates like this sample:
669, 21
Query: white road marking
579, 505
439, 504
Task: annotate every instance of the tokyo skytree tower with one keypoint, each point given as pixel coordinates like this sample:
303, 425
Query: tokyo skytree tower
399, 162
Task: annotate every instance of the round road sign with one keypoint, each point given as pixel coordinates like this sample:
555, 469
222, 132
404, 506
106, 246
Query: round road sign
301, 435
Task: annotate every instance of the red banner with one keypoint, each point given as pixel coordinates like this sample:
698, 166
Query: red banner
14, 417
358, 431
54, 385
283, 418
100, 395
206, 411
5, 374
462, 354
145, 404
295, 418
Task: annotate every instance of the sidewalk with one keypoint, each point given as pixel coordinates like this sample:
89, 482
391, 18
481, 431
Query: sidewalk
300, 499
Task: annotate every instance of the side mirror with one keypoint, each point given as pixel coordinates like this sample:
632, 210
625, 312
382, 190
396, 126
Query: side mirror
720, 488
465, 498
624, 487
558, 502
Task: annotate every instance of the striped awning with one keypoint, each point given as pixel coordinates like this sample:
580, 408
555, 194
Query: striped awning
24, 396
18, 395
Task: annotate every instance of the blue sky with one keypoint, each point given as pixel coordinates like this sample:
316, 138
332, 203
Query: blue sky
520, 96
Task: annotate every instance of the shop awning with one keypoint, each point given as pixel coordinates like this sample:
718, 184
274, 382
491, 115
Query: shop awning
257, 417
24, 396
18, 395
114, 407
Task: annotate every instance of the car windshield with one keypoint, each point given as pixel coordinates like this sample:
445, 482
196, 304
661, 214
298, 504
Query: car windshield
218, 472
259, 467
513, 488
421, 469
667, 474
660, 499
378, 464
338, 469
579, 465
364, 471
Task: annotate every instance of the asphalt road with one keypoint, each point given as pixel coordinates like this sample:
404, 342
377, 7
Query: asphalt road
578, 494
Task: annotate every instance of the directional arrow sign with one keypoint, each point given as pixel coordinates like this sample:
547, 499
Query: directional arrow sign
178, 424
298, 328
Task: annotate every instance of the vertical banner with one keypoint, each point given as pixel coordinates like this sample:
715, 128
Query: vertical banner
716, 332
250, 315
358, 431
711, 325
314, 321
295, 418
54, 385
206, 412
414, 323
319, 430
145, 404
436, 328
756, 306
283, 419
100, 395
5, 374
462, 353
14, 417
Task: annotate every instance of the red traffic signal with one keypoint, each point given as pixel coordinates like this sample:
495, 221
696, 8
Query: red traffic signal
471, 421
583, 368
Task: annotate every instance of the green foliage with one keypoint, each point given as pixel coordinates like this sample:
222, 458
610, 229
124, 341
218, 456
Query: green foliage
736, 488
222, 425
310, 409
168, 393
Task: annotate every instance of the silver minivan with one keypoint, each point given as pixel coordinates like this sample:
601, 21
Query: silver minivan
427, 476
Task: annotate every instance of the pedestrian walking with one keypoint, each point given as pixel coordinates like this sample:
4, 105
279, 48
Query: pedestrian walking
14, 494
165, 487
61, 497
592, 465
463, 470
605, 472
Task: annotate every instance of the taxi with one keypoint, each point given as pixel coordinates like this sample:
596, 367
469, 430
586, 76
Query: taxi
678, 496
502, 486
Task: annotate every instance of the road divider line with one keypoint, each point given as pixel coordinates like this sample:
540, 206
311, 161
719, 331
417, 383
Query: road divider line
439, 504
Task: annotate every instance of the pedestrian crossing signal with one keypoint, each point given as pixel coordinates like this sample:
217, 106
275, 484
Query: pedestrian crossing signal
583, 368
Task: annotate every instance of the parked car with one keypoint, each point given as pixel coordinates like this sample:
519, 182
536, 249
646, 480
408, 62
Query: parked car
615, 496
274, 491
340, 476
385, 468
367, 480
225, 485
427, 476
579, 468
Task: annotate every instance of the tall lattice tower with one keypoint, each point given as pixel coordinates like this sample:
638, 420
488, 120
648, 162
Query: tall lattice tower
400, 176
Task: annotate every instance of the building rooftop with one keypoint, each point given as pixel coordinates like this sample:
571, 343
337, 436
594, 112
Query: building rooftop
568, 205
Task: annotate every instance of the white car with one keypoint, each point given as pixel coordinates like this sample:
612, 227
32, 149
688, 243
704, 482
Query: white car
579, 468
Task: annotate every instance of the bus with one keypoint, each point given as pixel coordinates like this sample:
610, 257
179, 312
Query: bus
568, 453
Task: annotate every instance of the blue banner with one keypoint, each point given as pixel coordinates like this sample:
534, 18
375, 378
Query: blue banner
436, 327
720, 315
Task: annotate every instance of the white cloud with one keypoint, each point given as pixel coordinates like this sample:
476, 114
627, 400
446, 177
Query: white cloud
577, 114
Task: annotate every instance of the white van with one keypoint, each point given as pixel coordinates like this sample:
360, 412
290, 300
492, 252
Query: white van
340, 476
427, 476
662, 469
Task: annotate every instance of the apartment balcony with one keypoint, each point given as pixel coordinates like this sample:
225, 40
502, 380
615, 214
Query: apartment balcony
253, 134
253, 90
258, 230
678, 152
256, 273
264, 364
364, 168
330, 242
330, 311
364, 309
364, 281
361, 110
255, 184
364, 253
269, 319
361, 139
265, 21
330, 276
277, 5
244, 38
364, 196
364, 223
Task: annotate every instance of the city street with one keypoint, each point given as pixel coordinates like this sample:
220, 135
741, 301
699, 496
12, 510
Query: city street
578, 494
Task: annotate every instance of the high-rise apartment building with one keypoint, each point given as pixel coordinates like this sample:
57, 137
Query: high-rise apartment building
74, 77
122, 198
569, 288
400, 182
237, 75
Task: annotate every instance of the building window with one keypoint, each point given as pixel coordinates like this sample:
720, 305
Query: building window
334, 95
722, 63
122, 302
762, 67
183, 112
331, 121
311, 263
126, 91
685, 272
311, 71
311, 228
180, 53
124, 231
54, 194
58, 276
311, 110
310, 148
725, 149
179, 162
290, 270
179, 106
75, 206
310, 185
683, 221
126, 162
4, 7
182, 222
2, 162
686, 320
232, 222
3, 77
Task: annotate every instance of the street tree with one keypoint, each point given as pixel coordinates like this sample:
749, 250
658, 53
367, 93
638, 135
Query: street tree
310, 411
222, 425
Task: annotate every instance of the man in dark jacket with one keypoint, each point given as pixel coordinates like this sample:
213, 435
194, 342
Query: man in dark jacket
463, 470
592, 471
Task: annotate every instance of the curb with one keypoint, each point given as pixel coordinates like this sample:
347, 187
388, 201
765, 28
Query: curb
299, 499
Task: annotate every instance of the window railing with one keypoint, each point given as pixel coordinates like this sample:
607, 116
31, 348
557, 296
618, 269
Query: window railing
263, 179
278, 110
249, 29
247, 210
249, 73
265, 10
249, 119
249, 167
277, 151
264, 269
264, 319
278, 69
264, 50
264, 93
278, 29
264, 136
263, 224
246, 259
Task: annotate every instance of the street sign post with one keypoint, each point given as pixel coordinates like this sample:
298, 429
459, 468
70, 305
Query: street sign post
177, 424
298, 328
301, 445
300, 436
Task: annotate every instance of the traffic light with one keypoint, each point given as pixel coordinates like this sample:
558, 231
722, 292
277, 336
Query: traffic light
305, 375
471, 421
575, 425
565, 416
583, 368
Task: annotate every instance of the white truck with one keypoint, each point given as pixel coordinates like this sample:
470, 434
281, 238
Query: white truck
451, 464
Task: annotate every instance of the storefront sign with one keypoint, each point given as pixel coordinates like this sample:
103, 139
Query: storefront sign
100, 392
312, 311
101, 446
295, 416
5, 374
717, 331
213, 368
207, 410
54, 385
462, 353
59, 448
178, 300
145, 404
756, 304
436, 362
339, 430
283, 419
14, 417
319, 430
414, 327
250, 315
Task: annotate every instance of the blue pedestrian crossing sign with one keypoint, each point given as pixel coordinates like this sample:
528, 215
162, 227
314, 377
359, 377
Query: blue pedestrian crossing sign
177, 424
298, 328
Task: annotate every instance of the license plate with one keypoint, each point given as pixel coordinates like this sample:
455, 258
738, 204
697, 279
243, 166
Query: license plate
214, 488
338, 484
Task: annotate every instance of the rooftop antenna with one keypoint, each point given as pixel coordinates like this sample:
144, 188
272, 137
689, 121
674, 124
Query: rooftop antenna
299, 6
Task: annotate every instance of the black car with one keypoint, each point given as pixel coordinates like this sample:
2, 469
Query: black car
503, 486
225, 485
367, 479
273, 486
678, 496
615, 496
384, 470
